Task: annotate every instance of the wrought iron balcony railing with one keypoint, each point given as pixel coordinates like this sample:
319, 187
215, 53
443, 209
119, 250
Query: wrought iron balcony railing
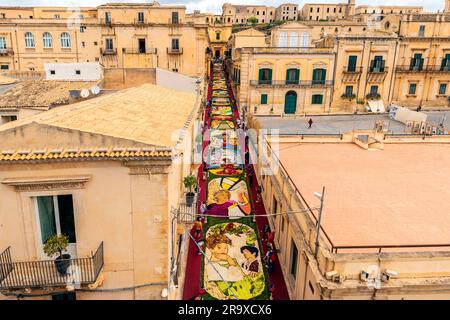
6, 51
174, 50
293, 83
108, 51
43, 273
351, 69
140, 51
429, 68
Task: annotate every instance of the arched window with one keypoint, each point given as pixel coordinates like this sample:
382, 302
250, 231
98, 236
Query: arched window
47, 39
65, 40
29, 40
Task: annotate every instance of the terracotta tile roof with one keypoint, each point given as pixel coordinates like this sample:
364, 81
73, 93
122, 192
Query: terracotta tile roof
148, 114
93, 153
41, 93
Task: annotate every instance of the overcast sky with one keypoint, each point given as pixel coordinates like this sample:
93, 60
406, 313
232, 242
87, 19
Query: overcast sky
216, 6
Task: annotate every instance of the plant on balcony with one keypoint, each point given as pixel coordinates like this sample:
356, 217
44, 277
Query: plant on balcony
56, 245
255, 109
373, 96
271, 110
348, 96
360, 101
189, 183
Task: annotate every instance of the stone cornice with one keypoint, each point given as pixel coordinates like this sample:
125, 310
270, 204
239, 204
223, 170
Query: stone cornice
147, 167
47, 183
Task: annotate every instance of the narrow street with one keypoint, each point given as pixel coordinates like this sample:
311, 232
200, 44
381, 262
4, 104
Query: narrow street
228, 258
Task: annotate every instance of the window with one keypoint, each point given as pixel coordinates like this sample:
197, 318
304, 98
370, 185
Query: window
77, 71
319, 76
175, 18
107, 17
304, 39
4, 67
294, 259
109, 44
417, 62
265, 76
442, 88
282, 41
2, 43
292, 76
293, 40
141, 45
422, 31
83, 44
217, 35
352, 63
29, 40
140, 17
311, 10
65, 40
264, 98
446, 63
95, 43
377, 65
82, 28
56, 216
57, 16
317, 99
349, 90
47, 40
52, 72
412, 88
374, 90
175, 44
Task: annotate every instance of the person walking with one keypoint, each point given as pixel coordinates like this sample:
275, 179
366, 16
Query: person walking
310, 122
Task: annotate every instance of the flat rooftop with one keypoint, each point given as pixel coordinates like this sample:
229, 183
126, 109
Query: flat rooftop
396, 196
335, 124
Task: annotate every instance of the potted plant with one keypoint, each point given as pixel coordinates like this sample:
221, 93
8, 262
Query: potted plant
190, 182
373, 96
55, 245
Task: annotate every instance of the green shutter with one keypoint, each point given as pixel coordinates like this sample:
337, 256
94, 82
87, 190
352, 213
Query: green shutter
352, 63
270, 75
317, 99
260, 74
263, 98
288, 79
297, 74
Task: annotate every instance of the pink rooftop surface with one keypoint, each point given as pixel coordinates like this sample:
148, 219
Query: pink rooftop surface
396, 196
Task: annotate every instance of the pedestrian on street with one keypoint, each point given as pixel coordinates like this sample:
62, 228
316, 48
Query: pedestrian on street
198, 229
250, 178
266, 231
258, 194
247, 157
310, 122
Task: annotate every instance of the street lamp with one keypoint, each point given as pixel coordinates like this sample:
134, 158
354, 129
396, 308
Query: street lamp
321, 197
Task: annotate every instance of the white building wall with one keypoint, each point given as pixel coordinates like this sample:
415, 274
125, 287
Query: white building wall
87, 71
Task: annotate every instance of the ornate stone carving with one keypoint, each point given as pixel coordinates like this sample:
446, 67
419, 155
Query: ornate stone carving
47, 183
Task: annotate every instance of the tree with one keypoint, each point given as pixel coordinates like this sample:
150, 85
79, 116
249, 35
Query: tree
252, 20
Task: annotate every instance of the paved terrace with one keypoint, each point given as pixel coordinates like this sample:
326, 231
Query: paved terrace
342, 123
396, 196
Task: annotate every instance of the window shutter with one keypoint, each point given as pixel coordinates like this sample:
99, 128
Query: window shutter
297, 75
270, 76
260, 75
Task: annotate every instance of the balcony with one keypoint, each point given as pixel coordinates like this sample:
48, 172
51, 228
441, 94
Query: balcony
43, 273
108, 51
140, 51
140, 21
6, 51
292, 83
377, 73
289, 50
174, 50
418, 68
351, 74
107, 22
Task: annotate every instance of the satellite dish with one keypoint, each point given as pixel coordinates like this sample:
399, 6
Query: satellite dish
84, 93
95, 90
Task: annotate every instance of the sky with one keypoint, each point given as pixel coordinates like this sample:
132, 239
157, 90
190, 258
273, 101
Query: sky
216, 6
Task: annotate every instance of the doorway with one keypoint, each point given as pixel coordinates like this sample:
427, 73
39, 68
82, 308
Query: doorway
217, 54
141, 45
290, 102
55, 215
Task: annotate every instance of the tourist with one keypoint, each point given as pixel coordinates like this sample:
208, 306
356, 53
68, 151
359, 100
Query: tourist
310, 122
258, 193
266, 231
198, 229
